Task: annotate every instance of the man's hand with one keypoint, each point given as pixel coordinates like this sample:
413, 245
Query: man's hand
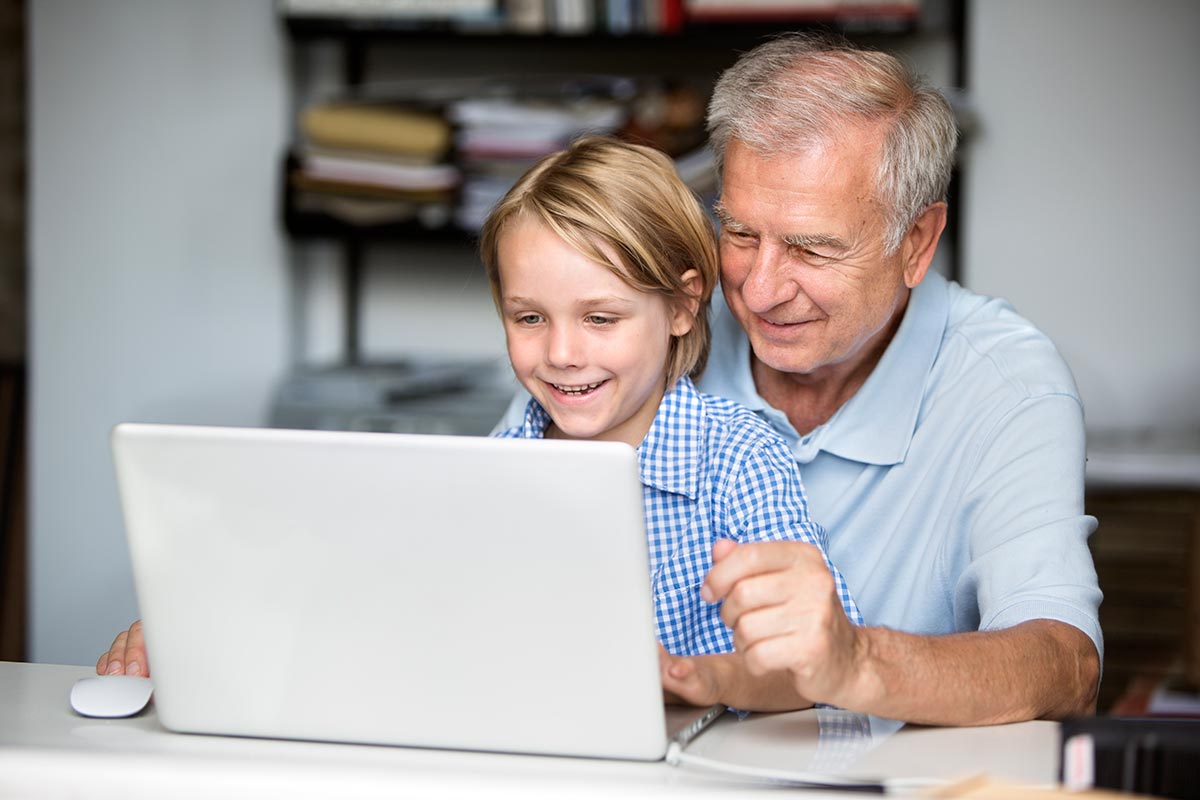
782, 604
127, 656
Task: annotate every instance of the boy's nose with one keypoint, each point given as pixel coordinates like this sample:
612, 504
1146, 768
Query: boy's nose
564, 348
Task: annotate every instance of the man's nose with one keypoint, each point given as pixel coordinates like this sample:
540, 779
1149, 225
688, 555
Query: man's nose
768, 284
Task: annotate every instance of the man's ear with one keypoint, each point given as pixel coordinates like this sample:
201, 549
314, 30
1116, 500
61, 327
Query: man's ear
683, 311
920, 243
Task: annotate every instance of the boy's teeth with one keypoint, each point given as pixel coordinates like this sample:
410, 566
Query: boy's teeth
577, 389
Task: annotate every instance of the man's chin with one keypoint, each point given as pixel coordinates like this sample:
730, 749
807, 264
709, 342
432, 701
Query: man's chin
782, 358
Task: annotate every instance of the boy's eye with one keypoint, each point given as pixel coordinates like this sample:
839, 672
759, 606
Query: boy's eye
597, 319
529, 319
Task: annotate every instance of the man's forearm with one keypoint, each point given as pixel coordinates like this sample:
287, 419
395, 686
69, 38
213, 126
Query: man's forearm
1037, 670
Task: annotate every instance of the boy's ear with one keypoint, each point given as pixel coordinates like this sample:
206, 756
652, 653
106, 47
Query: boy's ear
683, 315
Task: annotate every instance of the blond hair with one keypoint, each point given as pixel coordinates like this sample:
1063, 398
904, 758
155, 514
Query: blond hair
624, 207
799, 89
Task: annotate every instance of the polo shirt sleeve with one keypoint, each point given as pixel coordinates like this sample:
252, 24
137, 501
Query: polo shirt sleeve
1027, 533
765, 501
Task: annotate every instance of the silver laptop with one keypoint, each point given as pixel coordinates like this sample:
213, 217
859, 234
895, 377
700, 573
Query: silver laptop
433, 591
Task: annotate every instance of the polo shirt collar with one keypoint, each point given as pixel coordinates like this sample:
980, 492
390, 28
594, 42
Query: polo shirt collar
877, 424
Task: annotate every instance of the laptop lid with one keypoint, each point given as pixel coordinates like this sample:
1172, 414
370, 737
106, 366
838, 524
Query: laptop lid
434, 591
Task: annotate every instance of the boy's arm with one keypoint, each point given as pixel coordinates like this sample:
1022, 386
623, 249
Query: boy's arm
723, 678
727, 678
766, 502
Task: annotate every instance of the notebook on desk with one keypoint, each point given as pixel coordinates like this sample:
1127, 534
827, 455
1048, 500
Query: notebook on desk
432, 591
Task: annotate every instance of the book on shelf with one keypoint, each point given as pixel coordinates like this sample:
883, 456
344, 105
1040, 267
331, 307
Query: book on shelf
357, 169
765, 10
573, 17
381, 127
389, 9
526, 16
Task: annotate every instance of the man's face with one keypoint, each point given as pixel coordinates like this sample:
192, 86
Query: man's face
803, 263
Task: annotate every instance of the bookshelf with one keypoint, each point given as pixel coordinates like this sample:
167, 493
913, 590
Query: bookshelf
366, 50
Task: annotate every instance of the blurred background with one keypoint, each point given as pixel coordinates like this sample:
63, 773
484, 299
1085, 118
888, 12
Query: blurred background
246, 212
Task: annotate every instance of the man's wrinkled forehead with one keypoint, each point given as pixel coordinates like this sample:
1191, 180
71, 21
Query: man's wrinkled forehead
865, 142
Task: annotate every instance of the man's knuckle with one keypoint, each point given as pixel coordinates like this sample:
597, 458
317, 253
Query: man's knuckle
742, 595
756, 661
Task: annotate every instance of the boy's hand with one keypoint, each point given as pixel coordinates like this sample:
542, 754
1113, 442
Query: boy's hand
724, 678
781, 602
127, 656
691, 680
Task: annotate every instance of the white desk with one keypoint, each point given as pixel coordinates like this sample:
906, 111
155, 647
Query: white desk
46, 750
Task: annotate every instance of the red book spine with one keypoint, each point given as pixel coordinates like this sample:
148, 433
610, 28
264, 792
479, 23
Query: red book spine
672, 16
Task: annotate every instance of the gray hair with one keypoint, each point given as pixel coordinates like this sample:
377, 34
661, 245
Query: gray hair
800, 89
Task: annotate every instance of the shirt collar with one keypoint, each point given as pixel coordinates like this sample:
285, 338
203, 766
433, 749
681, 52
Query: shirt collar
669, 456
876, 425
536, 421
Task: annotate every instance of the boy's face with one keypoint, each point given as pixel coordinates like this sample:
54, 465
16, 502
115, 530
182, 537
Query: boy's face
590, 348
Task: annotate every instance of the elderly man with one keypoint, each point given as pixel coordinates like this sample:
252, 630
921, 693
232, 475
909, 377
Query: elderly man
940, 435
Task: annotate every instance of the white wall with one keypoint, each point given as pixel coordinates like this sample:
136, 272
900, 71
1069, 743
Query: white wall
417, 300
158, 278
1082, 204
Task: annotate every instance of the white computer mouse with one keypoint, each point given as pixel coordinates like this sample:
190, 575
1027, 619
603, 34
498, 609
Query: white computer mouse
110, 695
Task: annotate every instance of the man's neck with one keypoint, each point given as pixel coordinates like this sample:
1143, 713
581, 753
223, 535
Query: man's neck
810, 399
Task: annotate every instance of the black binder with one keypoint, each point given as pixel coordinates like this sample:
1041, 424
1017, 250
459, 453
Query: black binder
1158, 757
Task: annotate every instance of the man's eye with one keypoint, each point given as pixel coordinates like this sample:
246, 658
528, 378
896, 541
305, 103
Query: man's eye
813, 256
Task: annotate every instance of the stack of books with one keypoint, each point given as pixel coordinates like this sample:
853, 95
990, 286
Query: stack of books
800, 10
371, 163
499, 137
443, 159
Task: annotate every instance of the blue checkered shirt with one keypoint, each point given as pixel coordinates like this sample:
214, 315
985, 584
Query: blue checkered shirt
710, 469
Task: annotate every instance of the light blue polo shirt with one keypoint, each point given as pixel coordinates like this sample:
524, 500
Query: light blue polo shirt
951, 484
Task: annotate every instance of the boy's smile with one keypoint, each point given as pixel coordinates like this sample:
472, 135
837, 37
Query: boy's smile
590, 348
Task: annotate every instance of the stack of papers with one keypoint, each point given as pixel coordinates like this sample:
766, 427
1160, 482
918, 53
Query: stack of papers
374, 163
499, 138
